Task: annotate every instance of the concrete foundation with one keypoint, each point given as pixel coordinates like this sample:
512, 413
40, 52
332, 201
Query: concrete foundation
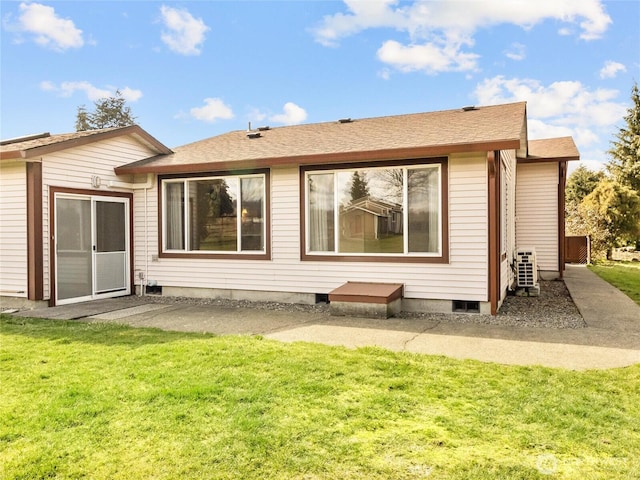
419, 305
249, 295
548, 275
21, 303
416, 305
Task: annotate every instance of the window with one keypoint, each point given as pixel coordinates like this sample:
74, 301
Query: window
215, 215
375, 212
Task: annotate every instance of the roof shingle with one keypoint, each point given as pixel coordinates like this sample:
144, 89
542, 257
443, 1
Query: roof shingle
40, 144
393, 137
561, 148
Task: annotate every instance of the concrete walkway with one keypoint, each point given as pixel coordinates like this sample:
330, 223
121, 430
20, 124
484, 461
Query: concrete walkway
611, 338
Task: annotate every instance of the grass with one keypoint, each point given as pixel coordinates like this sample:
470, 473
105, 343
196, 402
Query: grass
625, 276
103, 401
385, 244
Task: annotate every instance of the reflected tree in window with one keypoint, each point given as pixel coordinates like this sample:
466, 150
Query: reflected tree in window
252, 217
359, 186
225, 214
372, 221
213, 217
386, 210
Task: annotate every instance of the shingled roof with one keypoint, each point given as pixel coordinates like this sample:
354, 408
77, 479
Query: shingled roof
552, 149
41, 144
382, 138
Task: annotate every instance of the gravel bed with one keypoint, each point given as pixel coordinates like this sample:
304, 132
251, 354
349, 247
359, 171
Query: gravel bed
553, 308
225, 303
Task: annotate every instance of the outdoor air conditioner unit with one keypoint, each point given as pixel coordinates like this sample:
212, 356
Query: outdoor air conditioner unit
526, 267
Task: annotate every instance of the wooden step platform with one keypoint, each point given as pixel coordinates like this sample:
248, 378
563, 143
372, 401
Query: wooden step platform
366, 299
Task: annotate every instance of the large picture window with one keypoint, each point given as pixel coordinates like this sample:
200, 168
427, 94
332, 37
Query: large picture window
219, 215
379, 211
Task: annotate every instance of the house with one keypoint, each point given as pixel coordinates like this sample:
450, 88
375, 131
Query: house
65, 217
268, 214
370, 218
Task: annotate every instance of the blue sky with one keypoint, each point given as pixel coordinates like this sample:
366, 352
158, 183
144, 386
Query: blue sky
191, 70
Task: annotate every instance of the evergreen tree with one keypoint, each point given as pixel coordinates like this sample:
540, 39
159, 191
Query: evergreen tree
581, 183
109, 112
359, 187
82, 119
625, 151
610, 216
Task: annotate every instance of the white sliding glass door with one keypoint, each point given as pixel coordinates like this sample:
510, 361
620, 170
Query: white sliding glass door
91, 247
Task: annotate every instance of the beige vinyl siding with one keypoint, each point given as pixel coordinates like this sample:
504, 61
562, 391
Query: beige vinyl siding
537, 212
13, 229
464, 278
145, 227
508, 209
74, 168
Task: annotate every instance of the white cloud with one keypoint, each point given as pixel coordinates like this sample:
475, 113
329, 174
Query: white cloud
611, 69
384, 74
131, 95
539, 129
423, 18
563, 108
563, 102
363, 15
47, 86
588, 160
256, 115
184, 34
516, 52
213, 110
93, 93
438, 30
292, 114
428, 57
50, 30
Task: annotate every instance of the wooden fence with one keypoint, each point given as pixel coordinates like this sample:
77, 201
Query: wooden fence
577, 250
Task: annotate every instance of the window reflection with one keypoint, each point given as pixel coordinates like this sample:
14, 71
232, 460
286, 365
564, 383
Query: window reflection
225, 214
392, 210
424, 210
321, 213
252, 217
371, 211
213, 214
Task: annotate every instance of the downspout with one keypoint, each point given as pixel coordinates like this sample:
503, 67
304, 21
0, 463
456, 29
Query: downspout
140, 186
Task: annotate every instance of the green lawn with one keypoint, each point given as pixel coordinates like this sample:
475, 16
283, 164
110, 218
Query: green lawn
623, 275
109, 402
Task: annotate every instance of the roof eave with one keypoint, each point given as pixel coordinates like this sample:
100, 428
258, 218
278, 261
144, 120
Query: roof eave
77, 142
531, 159
323, 158
12, 155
